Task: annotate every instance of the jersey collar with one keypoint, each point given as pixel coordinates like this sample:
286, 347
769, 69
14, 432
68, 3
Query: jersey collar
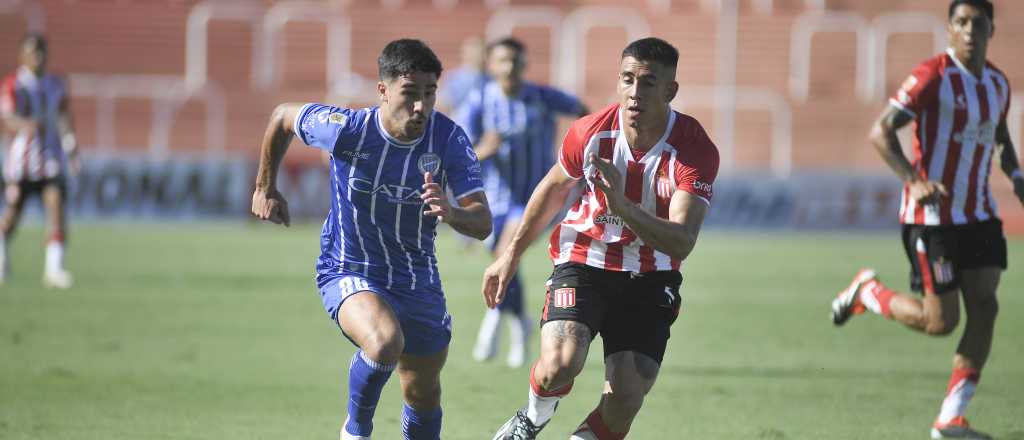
664, 136
962, 67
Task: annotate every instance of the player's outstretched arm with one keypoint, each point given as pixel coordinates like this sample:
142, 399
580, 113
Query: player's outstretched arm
1008, 160
66, 127
885, 140
472, 217
676, 236
267, 202
545, 202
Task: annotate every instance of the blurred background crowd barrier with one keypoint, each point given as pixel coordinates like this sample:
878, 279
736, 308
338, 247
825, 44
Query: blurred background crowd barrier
171, 98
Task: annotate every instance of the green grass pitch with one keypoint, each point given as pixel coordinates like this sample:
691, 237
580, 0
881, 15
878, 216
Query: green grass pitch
216, 331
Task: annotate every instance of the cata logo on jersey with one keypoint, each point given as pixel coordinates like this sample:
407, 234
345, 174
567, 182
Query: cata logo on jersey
394, 193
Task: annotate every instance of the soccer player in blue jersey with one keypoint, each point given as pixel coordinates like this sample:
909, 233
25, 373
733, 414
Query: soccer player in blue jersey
512, 122
377, 272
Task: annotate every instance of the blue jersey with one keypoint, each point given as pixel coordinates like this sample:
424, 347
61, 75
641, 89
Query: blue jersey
526, 123
376, 227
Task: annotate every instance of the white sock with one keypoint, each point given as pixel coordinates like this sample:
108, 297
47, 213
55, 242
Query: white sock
519, 335
540, 409
487, 338
956, 401
54, 256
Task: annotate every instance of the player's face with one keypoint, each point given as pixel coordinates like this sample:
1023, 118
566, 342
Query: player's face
407, 101
645, 89
33, 57
969, 31
506, 65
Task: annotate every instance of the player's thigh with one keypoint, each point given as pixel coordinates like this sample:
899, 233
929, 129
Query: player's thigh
54, 194
370, 322
420, 376
982, 257
565, 344
574, 312
14, 194
630, 374
979, 289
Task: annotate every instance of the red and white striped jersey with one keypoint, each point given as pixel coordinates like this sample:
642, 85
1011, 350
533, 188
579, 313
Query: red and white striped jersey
955, 119
683, 159
33, 155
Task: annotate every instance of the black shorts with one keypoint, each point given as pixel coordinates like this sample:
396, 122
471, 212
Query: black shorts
29, 188
938, 253
631, 311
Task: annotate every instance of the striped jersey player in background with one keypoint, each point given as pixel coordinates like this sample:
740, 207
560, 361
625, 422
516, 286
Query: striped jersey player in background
35, 112
377, 272
512, 122
951, 230
648, 173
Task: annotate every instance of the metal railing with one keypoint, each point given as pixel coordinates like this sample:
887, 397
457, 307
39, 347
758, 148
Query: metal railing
168, 94
756, 99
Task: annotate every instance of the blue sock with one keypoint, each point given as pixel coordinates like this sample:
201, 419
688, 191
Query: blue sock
421, 425
366, 379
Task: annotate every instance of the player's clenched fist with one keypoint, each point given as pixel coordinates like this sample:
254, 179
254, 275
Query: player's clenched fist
927, 192
268, 204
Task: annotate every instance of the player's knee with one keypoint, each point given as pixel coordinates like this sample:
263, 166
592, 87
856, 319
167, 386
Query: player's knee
986, 308
423, 394
941, 326
556, 368
384, 346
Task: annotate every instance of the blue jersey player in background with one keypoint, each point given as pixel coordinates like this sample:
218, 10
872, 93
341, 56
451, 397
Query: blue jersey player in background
512, 123
377, 272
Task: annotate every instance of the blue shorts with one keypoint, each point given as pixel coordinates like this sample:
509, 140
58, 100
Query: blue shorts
426, 324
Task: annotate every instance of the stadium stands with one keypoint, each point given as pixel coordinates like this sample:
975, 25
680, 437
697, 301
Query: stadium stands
782, 85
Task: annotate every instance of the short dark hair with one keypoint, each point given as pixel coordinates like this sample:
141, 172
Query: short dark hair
406, 56
509, 42
36, 39
652, 49
984, 5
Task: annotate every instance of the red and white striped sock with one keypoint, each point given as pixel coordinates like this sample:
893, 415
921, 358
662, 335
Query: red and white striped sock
541, 406
594, 428
962, 384
876, 297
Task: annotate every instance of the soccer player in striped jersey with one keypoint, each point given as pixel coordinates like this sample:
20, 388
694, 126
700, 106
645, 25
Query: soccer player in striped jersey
377, 272
35, 111
512, 122
951, 230
647, 174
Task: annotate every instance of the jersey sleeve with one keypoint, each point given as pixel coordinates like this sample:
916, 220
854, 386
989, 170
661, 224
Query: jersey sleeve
1006, 107
8, 98
697, 167
461, 166
322, 126
919, 90
560, 101
469, 116
570, 156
